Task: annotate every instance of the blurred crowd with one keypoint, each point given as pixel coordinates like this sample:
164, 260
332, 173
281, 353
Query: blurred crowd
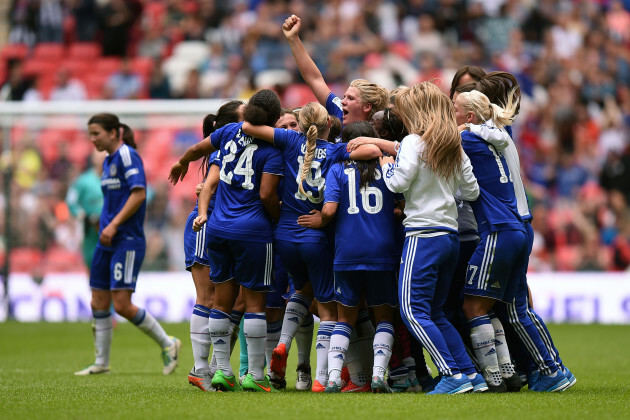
571, 58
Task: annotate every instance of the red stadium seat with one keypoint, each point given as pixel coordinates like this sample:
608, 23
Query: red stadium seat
59, 259
142, 66
94, 83
14, 52
77, 68
25, 259
84, 51
48, 51
107, 65
38, 66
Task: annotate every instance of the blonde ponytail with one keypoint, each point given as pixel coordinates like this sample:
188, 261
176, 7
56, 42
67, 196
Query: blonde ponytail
484, 110
311, 143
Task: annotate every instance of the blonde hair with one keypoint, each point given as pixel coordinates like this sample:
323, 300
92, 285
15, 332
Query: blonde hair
429, 113
484, 110
371, 93
313, 120
394, 92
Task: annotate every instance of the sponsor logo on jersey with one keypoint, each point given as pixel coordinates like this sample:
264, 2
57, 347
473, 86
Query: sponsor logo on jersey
496, 285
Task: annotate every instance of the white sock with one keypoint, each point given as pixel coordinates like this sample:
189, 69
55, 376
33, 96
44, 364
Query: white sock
339, 342
219, 326
503, 352
482, 338
255, 329
382, 347
103, 331
365, 336
321, 350
149, 325
294, 314
353, 362
304, 340
273, 335
200, 337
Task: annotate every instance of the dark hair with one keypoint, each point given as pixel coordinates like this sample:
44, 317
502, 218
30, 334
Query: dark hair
263, 108
335, 129
366, 168
497, 86
393, 124
466, 87
111, 122
473, 71
227, 113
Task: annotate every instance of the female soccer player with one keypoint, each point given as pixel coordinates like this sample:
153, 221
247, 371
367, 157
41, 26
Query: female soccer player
501, 256
430, 167
307, 157
362, 98
241, 242
497, 86
357, 195
122, 245
196, 255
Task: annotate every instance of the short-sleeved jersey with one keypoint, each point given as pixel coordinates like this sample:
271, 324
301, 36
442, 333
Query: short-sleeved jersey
213, 159
495, 209
238, 212
365, 238
122, 172
333, 106
294, 203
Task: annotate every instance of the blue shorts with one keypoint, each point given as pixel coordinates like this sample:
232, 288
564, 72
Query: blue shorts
195, 243
275, 298
309, 262
116, 270
495, 268
251, 263
378, 287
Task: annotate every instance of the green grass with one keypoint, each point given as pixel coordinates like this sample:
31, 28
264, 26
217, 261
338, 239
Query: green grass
37, 362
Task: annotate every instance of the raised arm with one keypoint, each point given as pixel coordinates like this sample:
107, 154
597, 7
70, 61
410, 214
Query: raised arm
305, 64
193, 153
263, 132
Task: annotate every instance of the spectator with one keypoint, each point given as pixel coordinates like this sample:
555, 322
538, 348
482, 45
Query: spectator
85, 19
67, 88
125, 84
159, 86
50, 25
116, 19
16, 85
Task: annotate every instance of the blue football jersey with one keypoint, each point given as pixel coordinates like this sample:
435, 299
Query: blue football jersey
365, 238
495, 209
294, 203
122, 172
214, 159
238, 212
333, 106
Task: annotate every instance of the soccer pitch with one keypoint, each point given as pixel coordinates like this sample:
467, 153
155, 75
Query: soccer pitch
37, 362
